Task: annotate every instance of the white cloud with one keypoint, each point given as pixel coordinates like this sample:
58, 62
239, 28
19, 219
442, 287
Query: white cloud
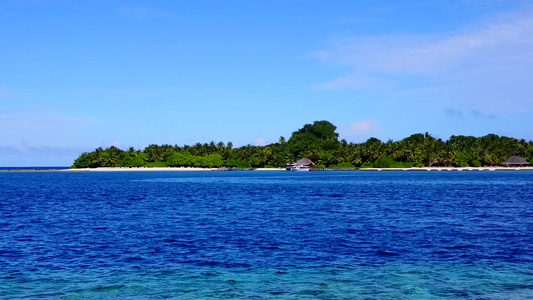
35, 154
143, 12
360, 129
260, 142
31, 148
38, 116
351, 81
479, 68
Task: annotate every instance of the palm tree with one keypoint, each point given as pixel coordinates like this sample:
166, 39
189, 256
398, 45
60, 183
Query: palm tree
132, 152
212, 147
282, 143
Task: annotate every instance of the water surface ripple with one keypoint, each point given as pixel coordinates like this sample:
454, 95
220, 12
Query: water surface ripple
314, 235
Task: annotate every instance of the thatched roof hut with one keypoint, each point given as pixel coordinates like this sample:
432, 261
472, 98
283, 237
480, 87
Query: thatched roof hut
304, 162
516, 161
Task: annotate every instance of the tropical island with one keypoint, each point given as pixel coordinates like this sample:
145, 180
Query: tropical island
320, 143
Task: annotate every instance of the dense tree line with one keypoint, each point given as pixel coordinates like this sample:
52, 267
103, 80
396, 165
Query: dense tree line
320, 143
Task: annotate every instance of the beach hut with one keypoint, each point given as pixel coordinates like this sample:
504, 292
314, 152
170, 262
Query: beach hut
516, 161
303, 164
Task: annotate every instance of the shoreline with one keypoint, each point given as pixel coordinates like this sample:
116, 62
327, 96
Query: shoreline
139, 169
451, 169
193, 169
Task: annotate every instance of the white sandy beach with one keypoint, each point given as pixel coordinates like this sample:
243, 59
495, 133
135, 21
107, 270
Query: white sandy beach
116, 169
189, 169
450, 169
169, 169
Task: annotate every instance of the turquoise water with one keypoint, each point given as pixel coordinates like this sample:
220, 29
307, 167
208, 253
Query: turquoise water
251, 235
389, 281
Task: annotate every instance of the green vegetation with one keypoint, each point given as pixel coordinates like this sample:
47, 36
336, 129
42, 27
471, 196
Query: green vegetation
388, 162
320, 143
345, 164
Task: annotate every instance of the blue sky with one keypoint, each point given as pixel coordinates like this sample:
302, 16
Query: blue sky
77, 75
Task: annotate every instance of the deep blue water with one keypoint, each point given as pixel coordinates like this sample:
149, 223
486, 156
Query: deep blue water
257, 235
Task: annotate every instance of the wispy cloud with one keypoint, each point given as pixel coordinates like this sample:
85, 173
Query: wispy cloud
123, 92
360, 129
259, 142
478, 114
352, 20
36, 116
456, 113
453, 113
480, 68
6, 94
30, 148
143, 12
9, 150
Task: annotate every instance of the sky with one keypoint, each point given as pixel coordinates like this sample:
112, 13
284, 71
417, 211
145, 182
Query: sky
77, 75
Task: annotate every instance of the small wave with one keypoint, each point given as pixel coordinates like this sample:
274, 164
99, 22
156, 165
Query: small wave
458, 247
276, 293
108, 288
336, 195
387, 253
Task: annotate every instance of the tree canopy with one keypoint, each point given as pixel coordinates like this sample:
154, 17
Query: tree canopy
319, 142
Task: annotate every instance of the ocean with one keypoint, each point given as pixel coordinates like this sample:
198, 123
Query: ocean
31, 168
266, 235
